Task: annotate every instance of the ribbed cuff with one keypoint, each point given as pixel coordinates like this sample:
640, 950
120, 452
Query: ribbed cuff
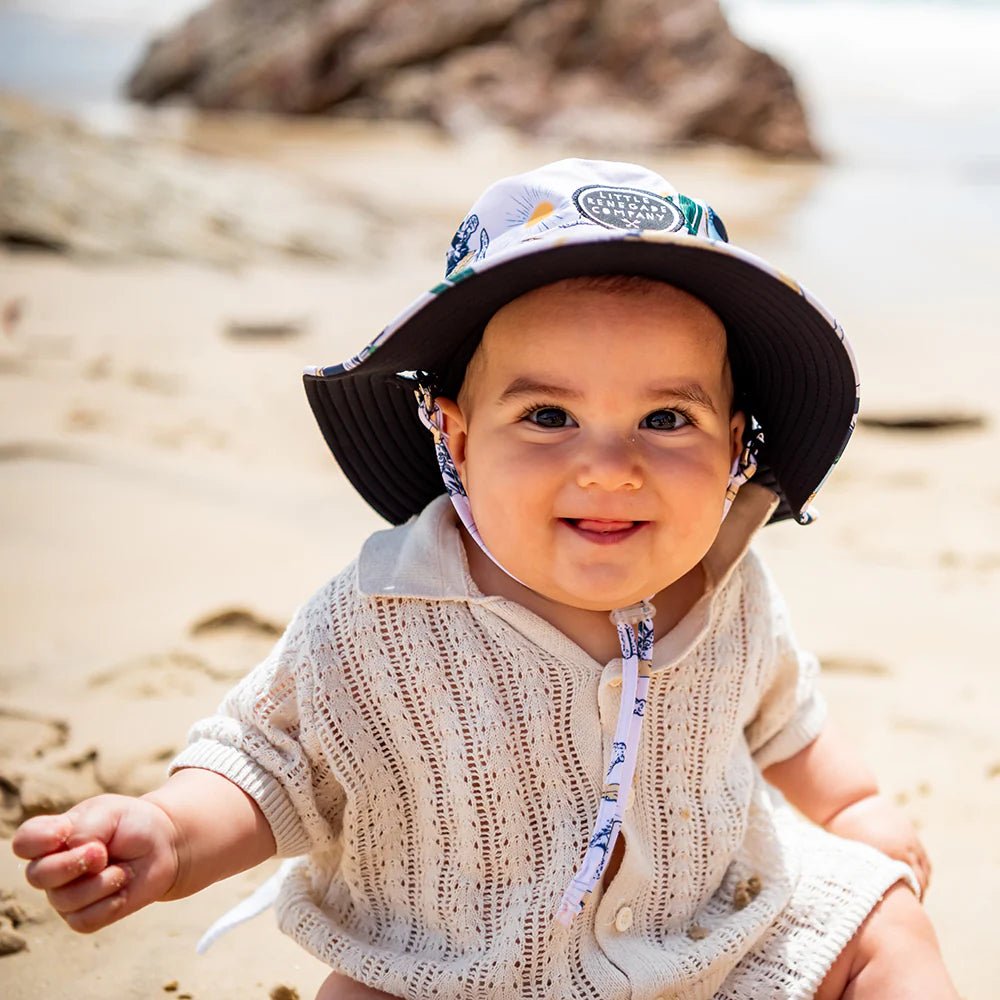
234, 765
797, 734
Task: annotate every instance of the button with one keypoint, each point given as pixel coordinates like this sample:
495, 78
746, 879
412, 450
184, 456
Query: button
623, 919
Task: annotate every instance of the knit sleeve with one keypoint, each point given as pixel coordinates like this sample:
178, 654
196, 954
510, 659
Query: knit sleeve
258, 739
791, 711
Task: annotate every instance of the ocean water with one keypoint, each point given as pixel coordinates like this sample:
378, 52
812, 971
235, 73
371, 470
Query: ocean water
904, 98
892, 82
76, 55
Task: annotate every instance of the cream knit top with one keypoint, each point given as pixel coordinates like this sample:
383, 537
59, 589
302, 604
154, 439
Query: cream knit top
438, 755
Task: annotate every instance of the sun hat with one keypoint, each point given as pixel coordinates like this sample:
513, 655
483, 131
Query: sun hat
791, 364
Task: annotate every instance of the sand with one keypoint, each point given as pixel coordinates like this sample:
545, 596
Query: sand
167, 502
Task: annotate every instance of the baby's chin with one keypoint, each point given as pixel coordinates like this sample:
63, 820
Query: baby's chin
607, 591
597, 597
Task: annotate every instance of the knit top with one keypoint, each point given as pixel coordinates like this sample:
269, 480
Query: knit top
437, 755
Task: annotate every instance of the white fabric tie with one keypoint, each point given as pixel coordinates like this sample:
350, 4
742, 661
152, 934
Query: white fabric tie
637, 652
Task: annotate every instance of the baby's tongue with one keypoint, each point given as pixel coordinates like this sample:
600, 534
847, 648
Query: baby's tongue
588, 525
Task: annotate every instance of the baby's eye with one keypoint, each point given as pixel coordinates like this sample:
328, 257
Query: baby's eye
549, 416
665, 420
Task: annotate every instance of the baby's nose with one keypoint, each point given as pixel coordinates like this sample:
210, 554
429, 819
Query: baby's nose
611, 463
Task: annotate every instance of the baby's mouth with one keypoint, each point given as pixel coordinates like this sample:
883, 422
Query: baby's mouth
600, 530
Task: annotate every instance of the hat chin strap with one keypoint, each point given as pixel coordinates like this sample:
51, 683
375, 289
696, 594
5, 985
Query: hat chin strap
635, 636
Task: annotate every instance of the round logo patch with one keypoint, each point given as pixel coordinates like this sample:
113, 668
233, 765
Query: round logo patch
628, 208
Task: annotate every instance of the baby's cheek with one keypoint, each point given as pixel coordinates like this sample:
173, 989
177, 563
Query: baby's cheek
512, 526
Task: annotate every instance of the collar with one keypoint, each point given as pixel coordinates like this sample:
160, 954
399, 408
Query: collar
425, 558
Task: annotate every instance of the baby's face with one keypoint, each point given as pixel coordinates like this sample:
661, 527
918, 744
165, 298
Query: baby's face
594, 438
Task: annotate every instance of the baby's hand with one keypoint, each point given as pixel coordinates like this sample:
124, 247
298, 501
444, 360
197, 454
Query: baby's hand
102, 860
876, 821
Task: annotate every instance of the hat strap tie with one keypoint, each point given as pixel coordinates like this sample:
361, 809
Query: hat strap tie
635, 635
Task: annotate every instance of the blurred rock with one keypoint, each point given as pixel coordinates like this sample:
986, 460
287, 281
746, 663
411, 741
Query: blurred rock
632, 73
65, 188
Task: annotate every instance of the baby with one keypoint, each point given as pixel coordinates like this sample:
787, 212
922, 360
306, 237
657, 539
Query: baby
497, 792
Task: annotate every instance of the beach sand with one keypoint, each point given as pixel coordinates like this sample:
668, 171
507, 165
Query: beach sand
167, 502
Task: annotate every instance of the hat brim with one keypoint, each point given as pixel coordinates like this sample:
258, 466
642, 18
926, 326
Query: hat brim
789, 357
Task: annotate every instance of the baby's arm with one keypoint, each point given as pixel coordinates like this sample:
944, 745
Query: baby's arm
828, 781
112, 855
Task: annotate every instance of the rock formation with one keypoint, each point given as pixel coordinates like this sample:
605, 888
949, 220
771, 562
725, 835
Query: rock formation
64, 187
627, 74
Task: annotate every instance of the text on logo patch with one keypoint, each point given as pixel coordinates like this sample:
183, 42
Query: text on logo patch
628, 208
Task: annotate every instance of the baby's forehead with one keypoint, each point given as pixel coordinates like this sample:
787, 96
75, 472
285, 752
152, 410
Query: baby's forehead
613, 320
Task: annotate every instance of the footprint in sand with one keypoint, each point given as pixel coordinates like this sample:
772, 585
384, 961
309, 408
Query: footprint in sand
138, 773
158, 675
26, 734
43, 771
39, 772
222, 647
14, 920
234, 639
25, 738
236, 620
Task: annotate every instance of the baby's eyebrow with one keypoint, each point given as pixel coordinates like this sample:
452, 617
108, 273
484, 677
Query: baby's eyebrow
526, 386
691, 392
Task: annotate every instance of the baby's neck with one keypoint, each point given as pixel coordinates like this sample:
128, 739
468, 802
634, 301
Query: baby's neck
590, 630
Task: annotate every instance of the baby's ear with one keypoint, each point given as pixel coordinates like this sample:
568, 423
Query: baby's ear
737, 425
455, 428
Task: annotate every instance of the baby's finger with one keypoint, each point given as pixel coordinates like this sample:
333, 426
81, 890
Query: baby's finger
925, 874
84, 892
918, 862
100, 914
41, 835
63, 867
